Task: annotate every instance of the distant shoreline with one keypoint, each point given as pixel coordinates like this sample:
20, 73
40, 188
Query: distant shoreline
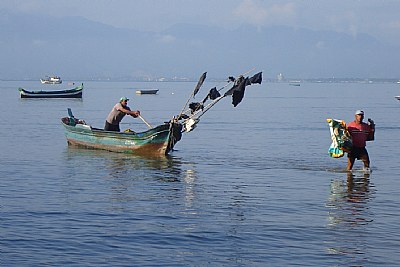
265, 80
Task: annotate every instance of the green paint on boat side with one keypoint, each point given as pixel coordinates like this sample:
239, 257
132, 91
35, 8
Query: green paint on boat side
159, 140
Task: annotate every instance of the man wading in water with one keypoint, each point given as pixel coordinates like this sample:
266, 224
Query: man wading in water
360, 133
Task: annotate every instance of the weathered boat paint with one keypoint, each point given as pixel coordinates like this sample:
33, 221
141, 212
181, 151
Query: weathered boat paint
157, 141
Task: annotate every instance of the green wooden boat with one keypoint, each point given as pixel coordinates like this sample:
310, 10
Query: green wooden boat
159, 140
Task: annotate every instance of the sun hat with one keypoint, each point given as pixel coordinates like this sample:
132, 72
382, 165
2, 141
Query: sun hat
123, 98
359, 112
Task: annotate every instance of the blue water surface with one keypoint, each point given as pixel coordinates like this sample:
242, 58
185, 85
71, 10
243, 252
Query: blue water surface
250, 186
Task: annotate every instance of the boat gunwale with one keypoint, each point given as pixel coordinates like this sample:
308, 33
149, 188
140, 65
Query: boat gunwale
92, 130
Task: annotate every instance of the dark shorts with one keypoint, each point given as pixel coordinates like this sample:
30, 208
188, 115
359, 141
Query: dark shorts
358, 153
111, 127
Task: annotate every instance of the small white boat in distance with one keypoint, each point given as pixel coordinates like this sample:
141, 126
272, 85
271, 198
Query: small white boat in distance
51, 80
294, 83
397, 97
147, 92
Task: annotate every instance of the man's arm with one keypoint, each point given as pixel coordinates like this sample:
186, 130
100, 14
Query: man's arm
134, 114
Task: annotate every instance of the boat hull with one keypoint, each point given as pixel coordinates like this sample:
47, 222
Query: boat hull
157, 141
71, 93
397, 97
147, 92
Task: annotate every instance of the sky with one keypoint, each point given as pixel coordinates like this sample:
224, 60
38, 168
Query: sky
379, 18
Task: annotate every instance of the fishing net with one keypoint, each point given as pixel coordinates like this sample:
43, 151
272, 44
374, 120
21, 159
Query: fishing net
341, 139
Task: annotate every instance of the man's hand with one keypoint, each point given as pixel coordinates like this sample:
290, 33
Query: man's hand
371, 123
135, 114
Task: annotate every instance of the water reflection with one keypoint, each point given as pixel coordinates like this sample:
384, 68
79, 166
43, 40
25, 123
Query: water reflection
190, 177
349, 217
349, 201
119, 164
130, 176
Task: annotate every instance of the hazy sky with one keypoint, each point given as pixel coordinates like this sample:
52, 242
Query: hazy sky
380, 18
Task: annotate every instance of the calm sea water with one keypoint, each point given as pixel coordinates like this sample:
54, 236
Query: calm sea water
250, 186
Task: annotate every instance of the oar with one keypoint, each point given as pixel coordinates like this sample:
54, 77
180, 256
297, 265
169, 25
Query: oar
145, 122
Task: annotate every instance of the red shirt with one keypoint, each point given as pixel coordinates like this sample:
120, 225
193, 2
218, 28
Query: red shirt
360, 133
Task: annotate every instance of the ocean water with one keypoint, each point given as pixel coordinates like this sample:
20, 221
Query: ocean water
250, 186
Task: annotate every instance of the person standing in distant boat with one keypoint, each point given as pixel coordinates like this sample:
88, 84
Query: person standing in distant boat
360, 133
117, 113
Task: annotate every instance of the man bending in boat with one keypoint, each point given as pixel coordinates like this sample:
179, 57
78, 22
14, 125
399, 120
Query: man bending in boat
360, 133
117, 113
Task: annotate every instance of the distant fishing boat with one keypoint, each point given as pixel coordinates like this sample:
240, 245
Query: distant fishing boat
51, 80
147, 92
397, 97
69, 93
294, 83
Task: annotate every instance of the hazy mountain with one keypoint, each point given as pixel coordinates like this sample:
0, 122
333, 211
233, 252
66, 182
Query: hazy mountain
76, 48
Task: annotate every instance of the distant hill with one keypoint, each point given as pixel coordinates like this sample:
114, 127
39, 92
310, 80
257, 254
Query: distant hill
76, 48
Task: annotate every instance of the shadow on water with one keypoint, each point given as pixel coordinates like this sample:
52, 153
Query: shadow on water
349, 217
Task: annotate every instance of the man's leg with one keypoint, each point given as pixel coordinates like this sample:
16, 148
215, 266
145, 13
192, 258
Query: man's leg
110, 127
350, 162
365, 159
